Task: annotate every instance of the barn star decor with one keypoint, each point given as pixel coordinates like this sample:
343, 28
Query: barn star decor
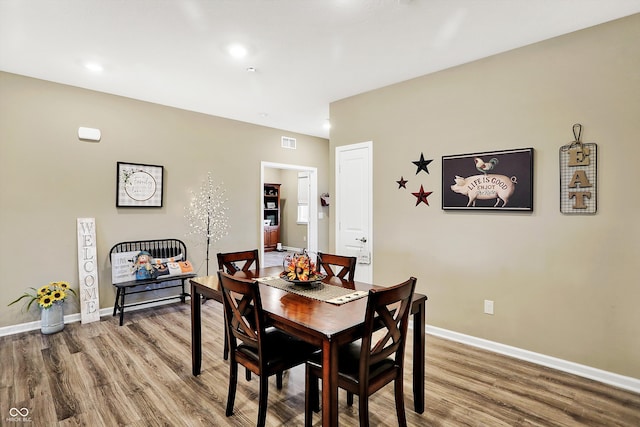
402, 183
422, 196
422, 164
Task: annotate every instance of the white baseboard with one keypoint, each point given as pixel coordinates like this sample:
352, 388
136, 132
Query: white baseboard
71, 318
613, 379
32, 326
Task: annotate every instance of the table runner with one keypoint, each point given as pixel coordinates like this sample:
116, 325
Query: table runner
316, 290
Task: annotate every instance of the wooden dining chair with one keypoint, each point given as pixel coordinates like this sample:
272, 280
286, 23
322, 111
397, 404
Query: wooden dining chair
365, 366
344, 265
228, 261
264, 351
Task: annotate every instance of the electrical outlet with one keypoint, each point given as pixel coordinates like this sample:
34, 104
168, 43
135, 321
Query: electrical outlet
488, 306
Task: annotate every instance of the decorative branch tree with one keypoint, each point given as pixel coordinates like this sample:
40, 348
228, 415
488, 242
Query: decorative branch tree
207, 214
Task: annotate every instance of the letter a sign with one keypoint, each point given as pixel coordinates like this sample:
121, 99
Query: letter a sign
578, 176
88, 270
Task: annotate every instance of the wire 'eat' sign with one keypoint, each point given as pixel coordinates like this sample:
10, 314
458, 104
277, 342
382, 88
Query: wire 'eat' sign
578, 176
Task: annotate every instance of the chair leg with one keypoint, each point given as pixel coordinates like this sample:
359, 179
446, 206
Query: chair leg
279, 380
262, 405
363, 409
310, 396
315, 394
233, 379
402, 418
225, 352
349, 398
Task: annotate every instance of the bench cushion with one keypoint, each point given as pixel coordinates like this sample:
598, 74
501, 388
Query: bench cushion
139, 265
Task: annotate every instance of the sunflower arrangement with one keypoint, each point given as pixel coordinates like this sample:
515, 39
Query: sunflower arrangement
299, 267
47, 295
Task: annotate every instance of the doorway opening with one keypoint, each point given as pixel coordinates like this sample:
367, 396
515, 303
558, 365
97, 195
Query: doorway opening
289, 222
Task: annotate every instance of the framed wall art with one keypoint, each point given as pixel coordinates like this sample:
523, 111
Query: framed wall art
139, 185
492, 180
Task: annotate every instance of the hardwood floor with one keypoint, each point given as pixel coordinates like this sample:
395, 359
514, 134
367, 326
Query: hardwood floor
274, 258
139, 374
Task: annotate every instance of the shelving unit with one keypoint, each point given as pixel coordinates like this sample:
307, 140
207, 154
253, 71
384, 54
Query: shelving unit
271, 207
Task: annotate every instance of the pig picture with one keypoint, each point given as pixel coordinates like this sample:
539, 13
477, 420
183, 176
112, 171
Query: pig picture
492, 180
485, 187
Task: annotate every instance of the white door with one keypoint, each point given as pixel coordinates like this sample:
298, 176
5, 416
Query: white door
354, 206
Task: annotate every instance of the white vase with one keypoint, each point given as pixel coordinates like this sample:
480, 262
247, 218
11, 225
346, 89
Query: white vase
52, 318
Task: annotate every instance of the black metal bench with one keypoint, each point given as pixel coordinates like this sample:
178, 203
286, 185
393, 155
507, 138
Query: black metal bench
161, 248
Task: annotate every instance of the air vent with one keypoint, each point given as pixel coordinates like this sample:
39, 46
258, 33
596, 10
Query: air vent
288, 142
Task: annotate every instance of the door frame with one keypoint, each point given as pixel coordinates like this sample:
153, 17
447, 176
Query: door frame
312, 227
338, 152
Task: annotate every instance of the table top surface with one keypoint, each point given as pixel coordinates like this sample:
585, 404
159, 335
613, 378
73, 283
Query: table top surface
299, 312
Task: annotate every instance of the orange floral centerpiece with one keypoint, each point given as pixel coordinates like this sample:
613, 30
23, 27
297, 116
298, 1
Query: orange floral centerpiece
300, 268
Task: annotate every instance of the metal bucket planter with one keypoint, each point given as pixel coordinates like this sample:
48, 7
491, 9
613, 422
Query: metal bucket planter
52, 319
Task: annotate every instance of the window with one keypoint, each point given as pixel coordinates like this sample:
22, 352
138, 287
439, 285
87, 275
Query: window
303, 198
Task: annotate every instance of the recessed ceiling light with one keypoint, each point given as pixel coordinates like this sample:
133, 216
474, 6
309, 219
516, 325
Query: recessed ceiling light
94, 66
237, 51
251, 69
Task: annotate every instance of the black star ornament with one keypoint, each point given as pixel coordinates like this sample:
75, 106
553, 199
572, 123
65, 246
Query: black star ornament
422, 196
402, 183
422, 164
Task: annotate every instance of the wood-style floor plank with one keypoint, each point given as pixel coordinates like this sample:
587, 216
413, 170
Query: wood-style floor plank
101, 374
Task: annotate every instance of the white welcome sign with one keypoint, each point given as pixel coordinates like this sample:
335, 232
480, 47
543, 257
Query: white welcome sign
88, 271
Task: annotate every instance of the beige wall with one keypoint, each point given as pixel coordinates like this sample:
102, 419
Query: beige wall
564, 286
48, 178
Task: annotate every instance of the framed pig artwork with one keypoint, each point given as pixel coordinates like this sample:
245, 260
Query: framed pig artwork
492, 180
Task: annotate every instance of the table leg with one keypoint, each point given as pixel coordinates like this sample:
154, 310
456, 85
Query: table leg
196, 332
329, 384
418, 358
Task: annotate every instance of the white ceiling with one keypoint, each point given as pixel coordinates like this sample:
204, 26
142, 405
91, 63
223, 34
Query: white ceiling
307, 53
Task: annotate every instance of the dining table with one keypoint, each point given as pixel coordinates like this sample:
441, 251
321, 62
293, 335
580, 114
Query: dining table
324, 324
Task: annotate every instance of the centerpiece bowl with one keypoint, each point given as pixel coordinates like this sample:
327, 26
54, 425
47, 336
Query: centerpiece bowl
300, 269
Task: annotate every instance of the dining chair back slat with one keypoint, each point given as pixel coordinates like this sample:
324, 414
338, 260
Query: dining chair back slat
367, 365
228, 261
341, 266
387, 313
263, 350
